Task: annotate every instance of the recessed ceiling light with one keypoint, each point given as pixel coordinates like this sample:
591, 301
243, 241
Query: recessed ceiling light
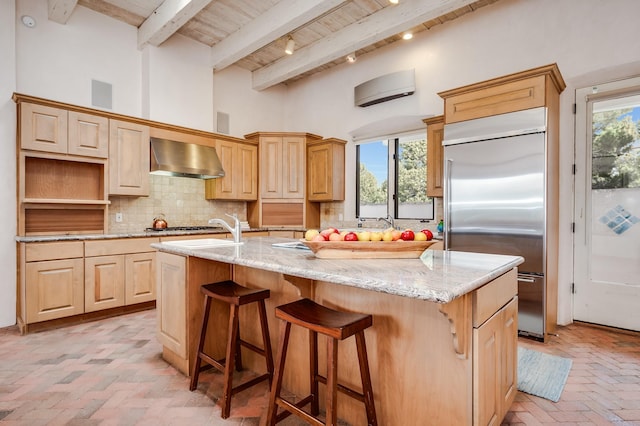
352, 58
28, 21
393, 1
407, 36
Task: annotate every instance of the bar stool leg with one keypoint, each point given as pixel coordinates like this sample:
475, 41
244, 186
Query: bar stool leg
285, 328
232, 346
195, 373
332, 382
367, 389
313, 372
266, 340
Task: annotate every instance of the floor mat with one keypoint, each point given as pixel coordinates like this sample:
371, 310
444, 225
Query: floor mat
542, 374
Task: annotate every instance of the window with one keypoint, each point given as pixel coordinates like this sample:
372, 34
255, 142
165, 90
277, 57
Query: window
391, 179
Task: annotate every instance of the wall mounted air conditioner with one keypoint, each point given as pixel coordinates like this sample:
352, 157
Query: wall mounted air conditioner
385, 88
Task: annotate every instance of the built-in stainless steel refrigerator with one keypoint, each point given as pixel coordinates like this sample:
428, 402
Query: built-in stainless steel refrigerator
495, 199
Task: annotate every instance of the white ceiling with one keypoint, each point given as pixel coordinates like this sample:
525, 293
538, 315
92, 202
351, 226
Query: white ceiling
252, 33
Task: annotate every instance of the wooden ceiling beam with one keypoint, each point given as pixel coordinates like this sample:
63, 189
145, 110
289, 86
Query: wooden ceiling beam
61, 10
280, 20
372, 29
167, 19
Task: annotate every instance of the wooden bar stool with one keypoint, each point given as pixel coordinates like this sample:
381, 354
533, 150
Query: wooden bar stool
235, 295
337, 326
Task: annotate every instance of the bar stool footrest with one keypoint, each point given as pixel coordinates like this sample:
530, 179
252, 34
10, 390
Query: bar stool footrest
345, 390
249, 383
291, 408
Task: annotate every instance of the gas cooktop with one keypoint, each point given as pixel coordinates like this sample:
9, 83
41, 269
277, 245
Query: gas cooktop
183, 228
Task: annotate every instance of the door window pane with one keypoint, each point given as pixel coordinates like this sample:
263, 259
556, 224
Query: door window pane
616, 143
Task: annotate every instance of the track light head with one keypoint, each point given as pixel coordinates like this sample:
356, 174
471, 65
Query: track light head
290, 46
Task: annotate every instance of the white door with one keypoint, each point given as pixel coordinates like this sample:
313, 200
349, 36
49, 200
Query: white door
607, 203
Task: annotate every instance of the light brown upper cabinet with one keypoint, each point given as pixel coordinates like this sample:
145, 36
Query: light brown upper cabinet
514, 92
128, 158
435, 158
282, 195
285, 176
240, 164
325, 170
56, 130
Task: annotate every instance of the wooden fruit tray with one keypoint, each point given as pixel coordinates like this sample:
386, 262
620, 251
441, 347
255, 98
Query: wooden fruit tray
368, 249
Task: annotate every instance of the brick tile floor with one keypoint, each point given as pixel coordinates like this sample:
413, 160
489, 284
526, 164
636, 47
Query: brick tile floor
110, 372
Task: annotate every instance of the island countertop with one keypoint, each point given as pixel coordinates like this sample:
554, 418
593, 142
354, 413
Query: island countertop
437, 276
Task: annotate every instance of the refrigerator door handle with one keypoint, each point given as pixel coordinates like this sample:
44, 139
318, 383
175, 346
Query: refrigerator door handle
447, 209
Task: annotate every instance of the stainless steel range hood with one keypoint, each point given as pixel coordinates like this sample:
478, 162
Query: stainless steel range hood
171, 158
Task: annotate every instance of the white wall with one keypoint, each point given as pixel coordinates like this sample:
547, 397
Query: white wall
249, 111
58, 62
180, 85
7, 164
591, 41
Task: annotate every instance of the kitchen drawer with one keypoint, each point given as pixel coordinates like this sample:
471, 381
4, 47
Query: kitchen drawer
119, 246
488, 299
51, 251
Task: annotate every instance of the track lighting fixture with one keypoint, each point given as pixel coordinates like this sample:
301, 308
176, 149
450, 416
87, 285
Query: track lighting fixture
352, 58
290, 46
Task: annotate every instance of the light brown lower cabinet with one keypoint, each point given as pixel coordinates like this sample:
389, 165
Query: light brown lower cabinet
55, 289
67, 278
119, 272
51, 281
495, 365
112, 281
104, 282
171, 304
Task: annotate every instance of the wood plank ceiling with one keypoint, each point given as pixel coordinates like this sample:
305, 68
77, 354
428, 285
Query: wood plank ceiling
252, 34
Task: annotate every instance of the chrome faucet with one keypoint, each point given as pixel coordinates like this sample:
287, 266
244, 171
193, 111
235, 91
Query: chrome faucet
236, 232
389, 220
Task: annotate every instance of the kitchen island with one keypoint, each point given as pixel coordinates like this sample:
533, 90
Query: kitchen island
442, 348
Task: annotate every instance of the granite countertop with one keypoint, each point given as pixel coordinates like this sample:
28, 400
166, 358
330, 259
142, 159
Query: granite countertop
141, 234
438, 276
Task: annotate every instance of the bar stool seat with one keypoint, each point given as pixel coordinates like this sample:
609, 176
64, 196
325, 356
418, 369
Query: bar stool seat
235, 295
336, 325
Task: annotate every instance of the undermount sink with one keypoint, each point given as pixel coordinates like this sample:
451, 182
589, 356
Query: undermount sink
202, 243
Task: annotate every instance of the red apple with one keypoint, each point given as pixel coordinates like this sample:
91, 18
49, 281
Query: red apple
407, 235
428, 233
351, 236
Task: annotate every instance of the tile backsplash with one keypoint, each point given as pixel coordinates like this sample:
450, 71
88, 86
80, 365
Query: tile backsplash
180, 200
